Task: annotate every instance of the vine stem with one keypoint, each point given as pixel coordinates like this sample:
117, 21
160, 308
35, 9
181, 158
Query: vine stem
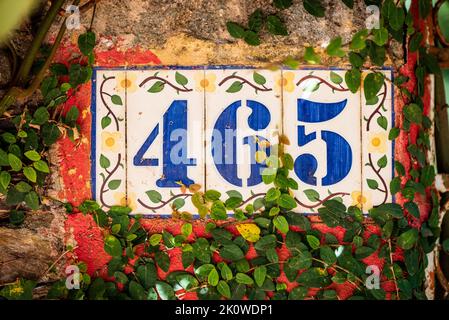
384, 97
102, 94
183, 89
15, 92
243, 80
27, 63
164, 203
377, 171
330, 85
392, 270
333, 195
103, 185
56, 261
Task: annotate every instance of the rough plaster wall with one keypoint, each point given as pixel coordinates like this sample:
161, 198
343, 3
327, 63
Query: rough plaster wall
194, 32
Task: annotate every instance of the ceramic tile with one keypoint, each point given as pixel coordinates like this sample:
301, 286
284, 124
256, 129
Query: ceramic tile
165, 141
109, 169
322, 121
377, 150
243, 116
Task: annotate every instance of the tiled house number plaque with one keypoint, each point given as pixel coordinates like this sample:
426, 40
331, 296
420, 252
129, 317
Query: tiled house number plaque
159, 129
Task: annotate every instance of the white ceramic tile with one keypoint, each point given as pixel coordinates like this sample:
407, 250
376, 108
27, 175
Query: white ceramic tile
165, 141
322, 121
376, 146
109, 139
243, 108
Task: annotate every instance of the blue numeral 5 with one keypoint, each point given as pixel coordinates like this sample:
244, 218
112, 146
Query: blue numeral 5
339, 153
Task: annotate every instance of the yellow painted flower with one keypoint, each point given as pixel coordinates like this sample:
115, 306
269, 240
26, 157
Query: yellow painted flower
286, 82
110, 141
126, 81
377, 142
121, 200
205, 82
363, 201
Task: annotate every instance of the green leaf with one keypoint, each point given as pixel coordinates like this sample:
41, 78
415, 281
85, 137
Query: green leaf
158, 86
314, 277
260, 274
213, 277
413, 113
33, 155
9, 137
349, 3
282, 4
179, 203
32, 200
114, 184
212, 195
380, 36
244, 279
335, 78
397, 18
356, 60
48, 84
382, 121
5, 179
235, 30
413, 209
312, 195
78, 74
50, 133
382, 162
446, 245
372, 84
266, 242
334, 48
359, 40
162, 260
41, 166
165, 291
24, 187
86, 42
30, 174
287, 202
59, 69
258, 78
328, 255
251, 38
218, 211
298, 293
372, 184
311, 57
427, 175
281, 224
314, 7
236, 86
155, 239
181, 79
116, 99
255, 20
105, 122
353, 79
112, 246
408, 239
14, 162
186, 229
276, 26
154, 196
147, 275
104, 162
363, 252
223, 289
272, 195
16, 217
394, 133
41, 116
313, 241
231, 252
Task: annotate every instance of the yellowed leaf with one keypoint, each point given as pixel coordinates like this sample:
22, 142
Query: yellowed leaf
249, 231
194, 187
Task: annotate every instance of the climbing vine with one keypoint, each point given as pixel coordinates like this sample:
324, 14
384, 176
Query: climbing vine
246, 256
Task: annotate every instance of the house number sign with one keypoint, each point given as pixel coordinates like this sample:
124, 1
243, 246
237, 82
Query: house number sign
161, 129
